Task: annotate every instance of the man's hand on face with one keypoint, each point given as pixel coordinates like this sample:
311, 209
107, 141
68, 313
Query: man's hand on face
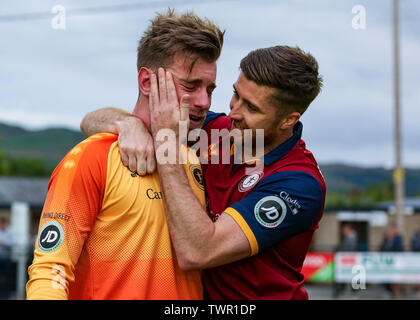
136, 146
166, 112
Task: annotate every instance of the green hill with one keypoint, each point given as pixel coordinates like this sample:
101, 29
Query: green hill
49, 145
345, 178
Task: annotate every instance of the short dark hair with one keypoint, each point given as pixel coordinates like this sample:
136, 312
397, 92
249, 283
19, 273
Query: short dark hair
290, 71
170, 33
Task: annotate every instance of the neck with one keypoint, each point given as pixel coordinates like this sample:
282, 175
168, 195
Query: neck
280, 139
269, 146
141, 110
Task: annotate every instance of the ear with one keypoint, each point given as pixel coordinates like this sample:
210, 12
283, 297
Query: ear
289, 121
144, 80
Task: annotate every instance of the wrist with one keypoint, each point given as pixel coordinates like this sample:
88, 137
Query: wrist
128, 123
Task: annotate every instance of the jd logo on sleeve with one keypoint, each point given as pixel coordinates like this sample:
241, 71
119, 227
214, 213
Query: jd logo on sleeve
51, 236
270, 211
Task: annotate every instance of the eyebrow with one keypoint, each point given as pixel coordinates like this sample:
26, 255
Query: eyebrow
196, 82
246, 100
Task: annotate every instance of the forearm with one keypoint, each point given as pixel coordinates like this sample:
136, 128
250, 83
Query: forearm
103, 120
190, 227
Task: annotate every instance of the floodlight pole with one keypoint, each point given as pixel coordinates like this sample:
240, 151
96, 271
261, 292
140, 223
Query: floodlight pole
399, 171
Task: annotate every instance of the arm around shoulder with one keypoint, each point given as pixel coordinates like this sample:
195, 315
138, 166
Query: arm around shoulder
102, 120
134, 139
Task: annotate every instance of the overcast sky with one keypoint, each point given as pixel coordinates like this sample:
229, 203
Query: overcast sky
53, 77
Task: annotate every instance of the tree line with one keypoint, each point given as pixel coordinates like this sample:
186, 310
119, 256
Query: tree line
22, 167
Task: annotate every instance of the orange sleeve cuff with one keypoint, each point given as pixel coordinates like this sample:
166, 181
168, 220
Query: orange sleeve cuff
245, 228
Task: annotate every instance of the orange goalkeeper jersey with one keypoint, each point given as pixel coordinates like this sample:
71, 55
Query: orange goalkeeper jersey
103, 231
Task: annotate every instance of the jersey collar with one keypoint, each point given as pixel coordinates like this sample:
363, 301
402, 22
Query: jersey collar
276, 153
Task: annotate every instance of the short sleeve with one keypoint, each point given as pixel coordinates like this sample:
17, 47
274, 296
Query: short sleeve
281, 205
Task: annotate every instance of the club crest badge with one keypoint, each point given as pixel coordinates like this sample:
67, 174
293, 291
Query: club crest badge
197, 175
250, 181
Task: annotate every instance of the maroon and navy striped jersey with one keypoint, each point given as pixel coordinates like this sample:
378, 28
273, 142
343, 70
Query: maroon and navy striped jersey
278, 207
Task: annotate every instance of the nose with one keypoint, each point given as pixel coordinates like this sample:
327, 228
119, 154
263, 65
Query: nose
202, 99
235, 110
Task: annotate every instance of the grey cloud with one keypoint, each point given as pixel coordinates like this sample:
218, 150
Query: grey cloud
55, 77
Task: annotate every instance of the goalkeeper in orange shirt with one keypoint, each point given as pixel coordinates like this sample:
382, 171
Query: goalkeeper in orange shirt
103, 232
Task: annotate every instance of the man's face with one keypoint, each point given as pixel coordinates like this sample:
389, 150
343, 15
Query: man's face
198, 82
251, 108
